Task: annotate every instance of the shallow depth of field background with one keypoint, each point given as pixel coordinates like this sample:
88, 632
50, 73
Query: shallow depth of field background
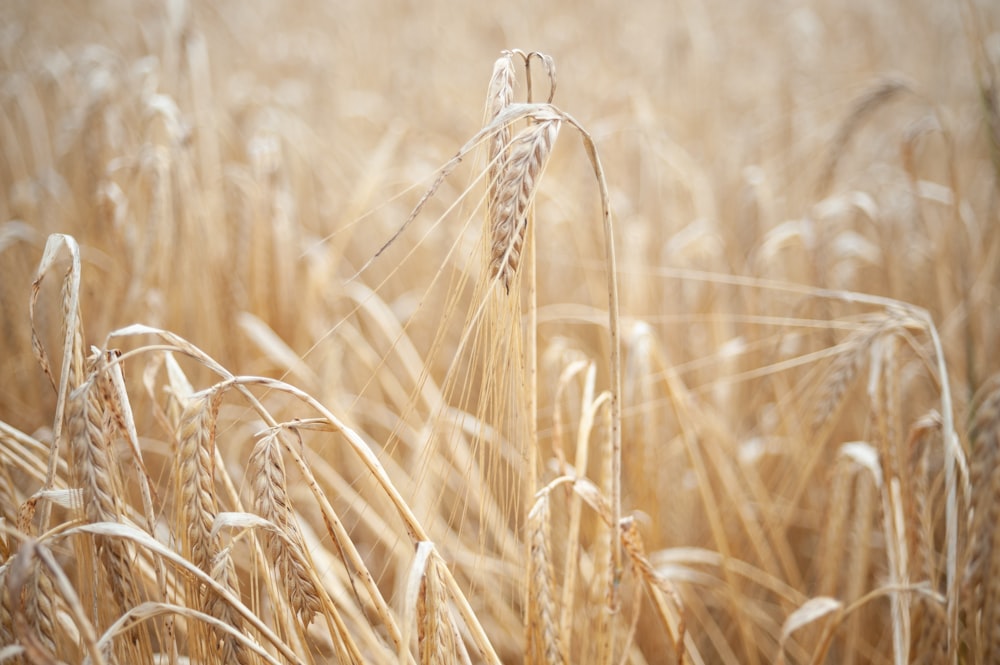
226, 167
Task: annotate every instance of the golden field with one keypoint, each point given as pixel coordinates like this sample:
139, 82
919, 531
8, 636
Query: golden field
648, 332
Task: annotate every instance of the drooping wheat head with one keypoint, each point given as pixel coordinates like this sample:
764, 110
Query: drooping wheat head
284, 547
520, 173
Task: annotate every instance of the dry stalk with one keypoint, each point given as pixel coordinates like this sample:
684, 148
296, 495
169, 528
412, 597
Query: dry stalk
589, 408
607, 569
72, 351
859, 554
834, 532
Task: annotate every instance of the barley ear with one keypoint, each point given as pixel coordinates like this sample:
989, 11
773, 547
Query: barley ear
96, 473
271, 501
196, 505
499, 95
229, 649
435, 633
983, 569
518, 181
660, 590
543, 644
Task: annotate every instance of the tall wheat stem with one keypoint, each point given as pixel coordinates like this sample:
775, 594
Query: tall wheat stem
532, 365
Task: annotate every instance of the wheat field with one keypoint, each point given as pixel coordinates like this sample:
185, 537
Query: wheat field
394, 332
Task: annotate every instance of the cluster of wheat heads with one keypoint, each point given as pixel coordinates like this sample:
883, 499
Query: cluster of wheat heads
498, 512
218, 555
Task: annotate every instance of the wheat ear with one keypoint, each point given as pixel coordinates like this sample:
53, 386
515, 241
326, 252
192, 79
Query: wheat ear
983, 569
230, 649
930, 620
543, 645
435, 632
195, 495
518, 180
285, 550
659, 588
96, 474
499, 96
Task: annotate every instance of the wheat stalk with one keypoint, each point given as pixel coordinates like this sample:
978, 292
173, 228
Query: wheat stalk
72, 351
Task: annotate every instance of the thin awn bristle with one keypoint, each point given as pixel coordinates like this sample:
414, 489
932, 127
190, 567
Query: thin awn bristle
521, 171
